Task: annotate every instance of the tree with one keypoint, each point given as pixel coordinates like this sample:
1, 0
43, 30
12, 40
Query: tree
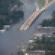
49, 22
10, 17
45, 43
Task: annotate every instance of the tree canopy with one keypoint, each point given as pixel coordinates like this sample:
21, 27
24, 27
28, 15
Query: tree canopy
51, 22
7, 17
44, 43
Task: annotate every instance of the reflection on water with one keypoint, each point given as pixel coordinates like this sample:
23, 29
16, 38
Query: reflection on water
12, 39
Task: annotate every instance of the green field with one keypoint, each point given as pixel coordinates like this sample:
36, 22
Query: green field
41, 3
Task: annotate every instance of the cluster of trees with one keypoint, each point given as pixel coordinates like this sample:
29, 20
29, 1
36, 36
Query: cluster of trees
7, 17
49, 22
44, 43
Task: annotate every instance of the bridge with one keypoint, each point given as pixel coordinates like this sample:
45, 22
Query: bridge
34, 16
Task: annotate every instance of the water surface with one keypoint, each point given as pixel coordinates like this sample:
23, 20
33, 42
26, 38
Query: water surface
13, 38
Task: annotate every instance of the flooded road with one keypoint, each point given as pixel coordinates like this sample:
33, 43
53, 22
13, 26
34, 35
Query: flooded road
13, 38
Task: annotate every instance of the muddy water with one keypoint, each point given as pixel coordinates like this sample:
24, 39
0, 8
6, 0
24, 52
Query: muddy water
12, 39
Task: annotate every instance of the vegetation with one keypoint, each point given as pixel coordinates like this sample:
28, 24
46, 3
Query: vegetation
44, 43
49, 22
6, 16
41, 3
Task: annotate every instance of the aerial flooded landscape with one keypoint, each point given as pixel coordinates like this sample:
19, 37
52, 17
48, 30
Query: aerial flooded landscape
27, 27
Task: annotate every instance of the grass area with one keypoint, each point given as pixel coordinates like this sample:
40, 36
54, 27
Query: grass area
41, 3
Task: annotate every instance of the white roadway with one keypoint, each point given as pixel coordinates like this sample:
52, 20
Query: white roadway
35, 14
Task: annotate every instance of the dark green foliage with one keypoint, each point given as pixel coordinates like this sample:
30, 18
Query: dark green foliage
45, 43
16, 16
53, 14
4, 7
7, 17
49, 22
